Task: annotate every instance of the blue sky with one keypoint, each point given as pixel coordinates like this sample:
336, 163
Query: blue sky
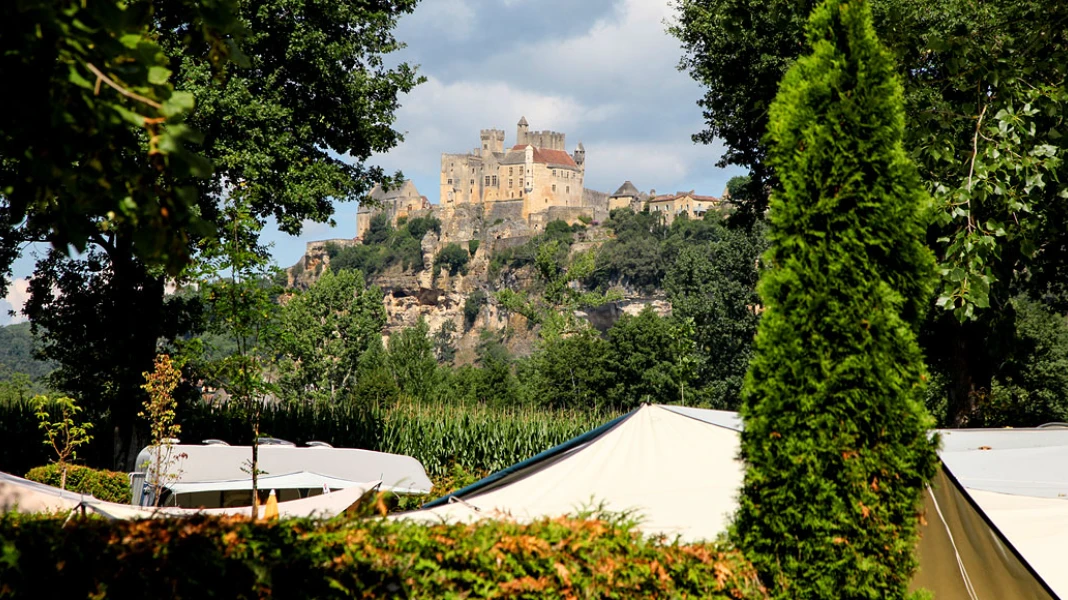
601, 71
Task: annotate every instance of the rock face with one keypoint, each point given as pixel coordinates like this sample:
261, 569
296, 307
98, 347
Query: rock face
407, 297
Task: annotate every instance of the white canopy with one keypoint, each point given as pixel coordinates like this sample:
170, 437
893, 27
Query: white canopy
23, 495
197, 468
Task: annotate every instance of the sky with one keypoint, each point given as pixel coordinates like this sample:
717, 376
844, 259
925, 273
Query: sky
601, 71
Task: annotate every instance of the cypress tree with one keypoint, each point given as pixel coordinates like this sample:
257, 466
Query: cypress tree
835, 436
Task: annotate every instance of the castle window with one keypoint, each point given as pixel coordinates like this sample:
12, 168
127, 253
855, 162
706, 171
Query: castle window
554, 187
450, 182
511, 183
494, 181
554, 172
568, 189
487, 180
510, 170
472, 182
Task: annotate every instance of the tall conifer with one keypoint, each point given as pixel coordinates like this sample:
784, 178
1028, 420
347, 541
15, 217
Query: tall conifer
835, 434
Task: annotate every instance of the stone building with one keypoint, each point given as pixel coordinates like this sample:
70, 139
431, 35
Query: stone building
536, 173
673, 205
402, 201
627, 196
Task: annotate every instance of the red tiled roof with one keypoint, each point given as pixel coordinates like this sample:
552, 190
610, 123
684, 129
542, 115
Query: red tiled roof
551, 157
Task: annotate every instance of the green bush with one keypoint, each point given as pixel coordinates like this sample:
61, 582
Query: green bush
472, 246
835, 437
104, 485
473, 305
372, 558
452, 258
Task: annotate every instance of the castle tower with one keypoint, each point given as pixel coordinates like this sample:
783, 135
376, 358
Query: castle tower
521, 132
492, 141
580, 157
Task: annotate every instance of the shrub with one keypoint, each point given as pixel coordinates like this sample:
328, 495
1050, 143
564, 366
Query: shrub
371, 558
452, 258
835, 435
472, 246
473, 305
104, 485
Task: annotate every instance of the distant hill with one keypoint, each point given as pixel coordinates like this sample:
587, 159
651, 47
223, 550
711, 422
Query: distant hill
16, 353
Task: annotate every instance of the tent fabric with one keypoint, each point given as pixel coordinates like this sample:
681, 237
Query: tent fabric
963, 557
193, 464
676, 474
677, 468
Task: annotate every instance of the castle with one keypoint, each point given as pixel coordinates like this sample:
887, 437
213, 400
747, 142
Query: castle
536, 172
532, 182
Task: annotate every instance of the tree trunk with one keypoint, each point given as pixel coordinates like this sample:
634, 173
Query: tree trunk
970, 375
255, 468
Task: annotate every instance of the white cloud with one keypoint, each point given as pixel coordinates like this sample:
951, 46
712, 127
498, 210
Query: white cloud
17, 295
451, 19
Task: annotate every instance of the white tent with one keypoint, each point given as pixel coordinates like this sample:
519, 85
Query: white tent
205, 475
675, 472
997, 536
23, 495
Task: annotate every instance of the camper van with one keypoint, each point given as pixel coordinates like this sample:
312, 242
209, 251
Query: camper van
215, 474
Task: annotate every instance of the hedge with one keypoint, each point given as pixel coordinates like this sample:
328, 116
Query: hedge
104, 485
235, 558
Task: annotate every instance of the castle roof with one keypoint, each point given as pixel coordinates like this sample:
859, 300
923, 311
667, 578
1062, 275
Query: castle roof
555, 158
523, 121
627, 190
683, 195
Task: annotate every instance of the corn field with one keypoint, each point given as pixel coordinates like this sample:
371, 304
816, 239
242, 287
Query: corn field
477, 439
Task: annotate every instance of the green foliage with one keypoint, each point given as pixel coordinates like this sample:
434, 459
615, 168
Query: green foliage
472, 246
472, 306
452, 258
835, 437
63, 435
322, 334
17, 347
412, 361
290, 131
374, 558
98, 138
713, 284
109, 486
384, 247
652, 359
160, 412
444, 342
572, 372
993, 160
1031, 388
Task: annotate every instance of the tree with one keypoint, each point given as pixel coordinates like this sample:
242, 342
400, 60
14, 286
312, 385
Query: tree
452, 258
234, 272
322, 334
314, 89
65, 435
714, 285
97, 138
650, 359
412, 362
444, 341
835, 441
159, 410
986, 96
572, 372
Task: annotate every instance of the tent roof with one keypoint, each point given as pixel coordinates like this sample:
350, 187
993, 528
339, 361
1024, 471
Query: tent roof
223, 465
1027, 462
630, 464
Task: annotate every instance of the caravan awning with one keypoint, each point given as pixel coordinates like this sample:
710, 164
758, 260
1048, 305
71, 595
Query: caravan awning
298, 480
